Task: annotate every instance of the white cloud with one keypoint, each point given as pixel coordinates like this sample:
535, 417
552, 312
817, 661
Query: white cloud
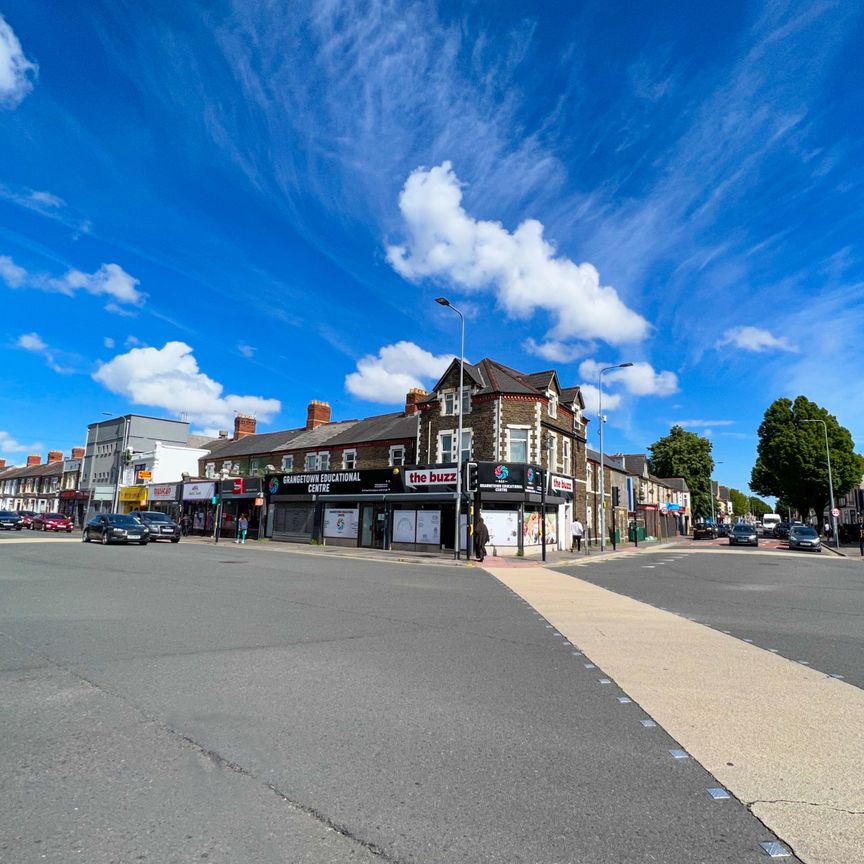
169, 378
47, 198
385, 378
110, 280
640, 379
697, 424
556, 352
521, 268
34, 343
591, 395
108, 342
755, 339
17, 73
9, 445
246, 350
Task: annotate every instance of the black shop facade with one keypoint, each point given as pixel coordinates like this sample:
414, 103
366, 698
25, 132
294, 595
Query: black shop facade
408, 508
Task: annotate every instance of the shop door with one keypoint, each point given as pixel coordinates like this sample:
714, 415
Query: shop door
373, 526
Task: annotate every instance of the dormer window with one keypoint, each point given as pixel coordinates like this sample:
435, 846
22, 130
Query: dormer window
450, 403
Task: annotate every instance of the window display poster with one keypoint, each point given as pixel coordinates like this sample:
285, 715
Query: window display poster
428, 526
531, 529
340, 523
503, 527
404, 526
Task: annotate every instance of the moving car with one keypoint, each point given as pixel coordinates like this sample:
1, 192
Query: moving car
9, 519
52, 522
769, 520
804, 537
781, 530
704, 530
116, 528
743, 534
27, 517
162, 526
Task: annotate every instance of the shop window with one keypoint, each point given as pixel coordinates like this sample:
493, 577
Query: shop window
517, 445
287, 463
349, 459
397, 455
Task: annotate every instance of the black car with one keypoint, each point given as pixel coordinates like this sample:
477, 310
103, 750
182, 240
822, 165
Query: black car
9, 519
116, 528
162, 526
704, 531
781, 530
743, 534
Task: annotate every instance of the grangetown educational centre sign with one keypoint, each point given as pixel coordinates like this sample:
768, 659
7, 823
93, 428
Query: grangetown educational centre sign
371, 481
508, 477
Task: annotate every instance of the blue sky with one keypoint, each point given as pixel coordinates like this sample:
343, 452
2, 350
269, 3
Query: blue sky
215, 207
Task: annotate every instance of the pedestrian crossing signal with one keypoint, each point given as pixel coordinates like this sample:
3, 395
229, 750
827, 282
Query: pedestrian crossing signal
471, 482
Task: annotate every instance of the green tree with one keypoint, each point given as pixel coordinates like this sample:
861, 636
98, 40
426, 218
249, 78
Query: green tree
687, 455
790, 462
758, 507
740, 502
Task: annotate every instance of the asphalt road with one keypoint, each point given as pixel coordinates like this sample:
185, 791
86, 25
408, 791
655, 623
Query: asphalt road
806, 607
243, 704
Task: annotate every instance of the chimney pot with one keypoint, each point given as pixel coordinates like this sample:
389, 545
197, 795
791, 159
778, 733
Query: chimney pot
415, 395
317, 414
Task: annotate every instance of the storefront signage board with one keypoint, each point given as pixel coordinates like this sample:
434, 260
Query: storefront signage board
371, 481
430, 477
198, 491
560, 484
165, 492
508, 477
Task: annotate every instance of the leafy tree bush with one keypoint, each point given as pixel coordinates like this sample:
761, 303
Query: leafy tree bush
687, 455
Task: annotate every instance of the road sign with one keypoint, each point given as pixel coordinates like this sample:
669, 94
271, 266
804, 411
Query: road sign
835, 512
145, 475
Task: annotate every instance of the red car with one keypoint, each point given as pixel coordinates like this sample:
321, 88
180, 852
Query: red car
27, 517
52, 522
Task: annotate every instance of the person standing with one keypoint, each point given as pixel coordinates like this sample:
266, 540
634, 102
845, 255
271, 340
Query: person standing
481, 538
861, 538
578, 531
242, 528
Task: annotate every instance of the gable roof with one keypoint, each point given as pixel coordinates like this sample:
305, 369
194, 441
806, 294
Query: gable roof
635, 463
384, 427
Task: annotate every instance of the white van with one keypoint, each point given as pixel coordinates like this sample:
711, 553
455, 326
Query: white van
769, 520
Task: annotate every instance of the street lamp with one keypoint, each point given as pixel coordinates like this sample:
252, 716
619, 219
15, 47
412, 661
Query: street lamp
602, 520
830, 481
443, 301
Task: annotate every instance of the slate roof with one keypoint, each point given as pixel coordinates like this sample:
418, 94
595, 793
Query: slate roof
678, 483
269, 442
384, 427
492, 377
635, 463
611, 462
46, 469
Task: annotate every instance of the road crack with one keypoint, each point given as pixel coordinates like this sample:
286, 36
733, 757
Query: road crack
820, 804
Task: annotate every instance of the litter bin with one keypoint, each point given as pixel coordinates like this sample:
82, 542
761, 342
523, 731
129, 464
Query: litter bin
636, 532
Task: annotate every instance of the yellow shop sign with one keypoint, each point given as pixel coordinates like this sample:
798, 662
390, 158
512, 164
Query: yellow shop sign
133, 494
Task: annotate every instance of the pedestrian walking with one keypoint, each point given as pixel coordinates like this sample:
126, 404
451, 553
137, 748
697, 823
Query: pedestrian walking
481, 538
861, 538
242, 528
578, 531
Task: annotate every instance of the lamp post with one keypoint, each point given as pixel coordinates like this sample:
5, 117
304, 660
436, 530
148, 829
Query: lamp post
602, 519
443, 301
830, 481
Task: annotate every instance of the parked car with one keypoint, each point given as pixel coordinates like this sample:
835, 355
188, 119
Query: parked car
116, 528
743, 534
781, 530
27, 517
162, 526
723, 529
9, 519
704, 531
804, 537
52, 522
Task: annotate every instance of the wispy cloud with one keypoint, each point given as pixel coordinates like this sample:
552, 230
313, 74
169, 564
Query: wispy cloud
557, 352
755, 339
696, 424
169, 378
395, 370
17, 73
640, 379
35, 344
8, 445
110, 280
247, 351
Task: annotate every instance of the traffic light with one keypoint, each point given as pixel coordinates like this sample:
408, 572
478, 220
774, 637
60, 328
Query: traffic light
616, 496
470, 476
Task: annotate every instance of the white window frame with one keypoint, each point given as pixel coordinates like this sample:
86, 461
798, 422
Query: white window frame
397, 455
552, 404
451, 453
324, 460
288, 463
448, 403
567, 455
520, 429
311, 462
349, 459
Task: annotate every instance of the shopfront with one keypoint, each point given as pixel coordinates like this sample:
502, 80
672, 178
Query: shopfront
240, 496
198, 507
73, 504
165, 498
513, 501
132, 498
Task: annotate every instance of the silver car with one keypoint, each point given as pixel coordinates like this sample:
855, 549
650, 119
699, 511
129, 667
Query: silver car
804, 537
743, 534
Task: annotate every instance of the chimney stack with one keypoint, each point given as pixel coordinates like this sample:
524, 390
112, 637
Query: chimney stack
55, 456
33, 460
2, 464
317, 414
77, 452
415, 395
244, 424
